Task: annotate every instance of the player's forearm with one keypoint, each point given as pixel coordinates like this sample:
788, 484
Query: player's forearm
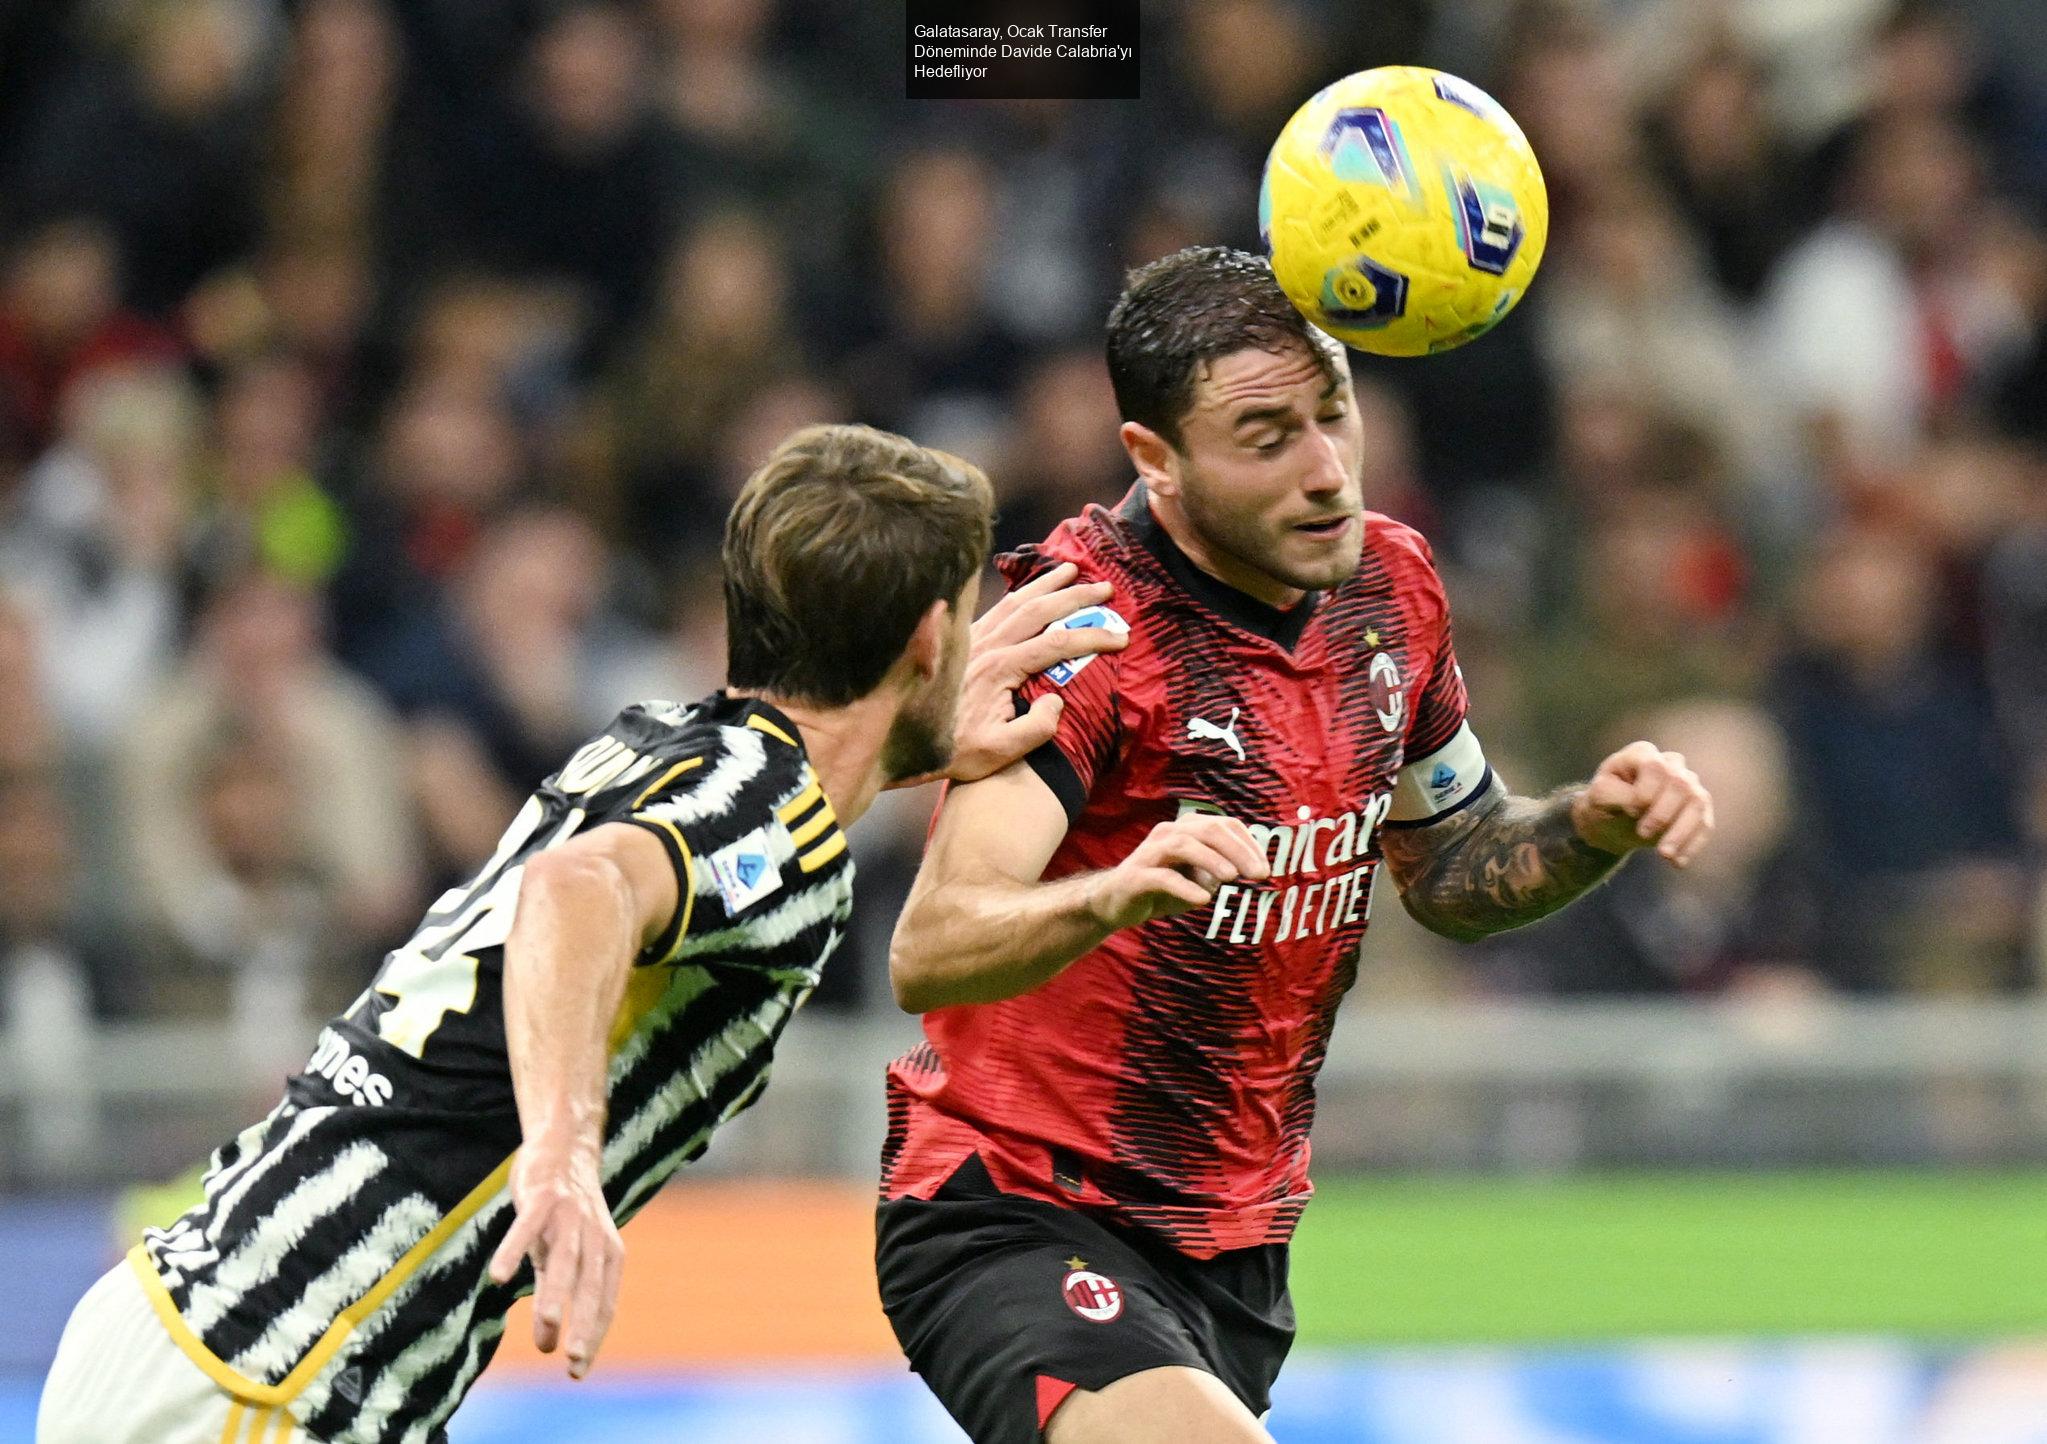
981, 942
1504, 862
566, 964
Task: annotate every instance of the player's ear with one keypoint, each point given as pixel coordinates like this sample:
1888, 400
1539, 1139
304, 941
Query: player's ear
926, 652
1152, 455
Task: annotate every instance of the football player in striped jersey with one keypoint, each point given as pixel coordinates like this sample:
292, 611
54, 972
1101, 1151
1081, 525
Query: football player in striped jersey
1130, 948
568, 1028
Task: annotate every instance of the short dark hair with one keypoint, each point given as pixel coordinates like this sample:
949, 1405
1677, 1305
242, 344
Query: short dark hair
1187, 309
834, 550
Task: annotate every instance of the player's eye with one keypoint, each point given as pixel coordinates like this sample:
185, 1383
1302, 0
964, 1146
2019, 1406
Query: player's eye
1268, 444
1333, 415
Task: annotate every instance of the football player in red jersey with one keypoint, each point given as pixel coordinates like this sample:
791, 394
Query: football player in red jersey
1130, 947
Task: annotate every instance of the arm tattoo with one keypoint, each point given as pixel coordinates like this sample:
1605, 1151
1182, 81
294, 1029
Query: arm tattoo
1497, 864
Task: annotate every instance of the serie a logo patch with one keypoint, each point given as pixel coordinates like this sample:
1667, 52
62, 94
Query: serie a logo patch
745, 871
1095, 1297
1106, 618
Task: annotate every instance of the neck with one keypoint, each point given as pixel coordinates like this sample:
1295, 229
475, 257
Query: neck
1253, 583
844, 745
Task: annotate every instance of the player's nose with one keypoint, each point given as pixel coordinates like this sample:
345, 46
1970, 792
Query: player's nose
1328, 471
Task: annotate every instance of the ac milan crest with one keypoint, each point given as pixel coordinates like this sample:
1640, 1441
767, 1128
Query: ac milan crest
1389, 699
1095, 1297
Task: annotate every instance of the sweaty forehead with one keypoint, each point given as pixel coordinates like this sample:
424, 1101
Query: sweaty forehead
1253, 378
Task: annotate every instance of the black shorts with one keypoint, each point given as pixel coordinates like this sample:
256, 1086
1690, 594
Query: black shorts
1005, 1305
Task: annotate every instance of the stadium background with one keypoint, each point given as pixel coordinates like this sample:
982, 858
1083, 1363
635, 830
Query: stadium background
373, 377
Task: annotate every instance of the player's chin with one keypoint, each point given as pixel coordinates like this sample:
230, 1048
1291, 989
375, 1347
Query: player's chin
1318, 559
918, 747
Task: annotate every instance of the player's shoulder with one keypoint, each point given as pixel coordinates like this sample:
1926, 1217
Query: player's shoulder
1399, 557
1090, 541
1397, 544
741, 751
720, 721
754, 814
658, 725
664, 733
1095, 544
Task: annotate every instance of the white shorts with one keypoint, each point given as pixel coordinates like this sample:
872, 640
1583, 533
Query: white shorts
118, 1379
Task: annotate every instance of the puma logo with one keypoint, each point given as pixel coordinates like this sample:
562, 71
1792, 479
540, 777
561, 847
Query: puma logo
1200, 728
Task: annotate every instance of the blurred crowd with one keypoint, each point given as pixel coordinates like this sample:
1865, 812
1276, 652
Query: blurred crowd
374, 377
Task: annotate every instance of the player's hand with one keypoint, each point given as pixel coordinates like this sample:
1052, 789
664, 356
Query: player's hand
1177, 868
1011, 645
564, 1224
1645, 797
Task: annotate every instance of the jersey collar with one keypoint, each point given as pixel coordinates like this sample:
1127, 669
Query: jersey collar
1239, 609
762, 716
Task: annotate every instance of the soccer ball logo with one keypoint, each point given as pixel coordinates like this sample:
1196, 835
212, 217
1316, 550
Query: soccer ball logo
1404, 211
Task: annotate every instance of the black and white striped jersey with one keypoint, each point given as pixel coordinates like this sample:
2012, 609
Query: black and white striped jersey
337, 1265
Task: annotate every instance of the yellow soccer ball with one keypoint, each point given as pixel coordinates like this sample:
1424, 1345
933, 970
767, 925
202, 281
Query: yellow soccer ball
1404, 210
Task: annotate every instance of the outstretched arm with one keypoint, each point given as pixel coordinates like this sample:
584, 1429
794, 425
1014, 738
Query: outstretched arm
1505, 861
585, 910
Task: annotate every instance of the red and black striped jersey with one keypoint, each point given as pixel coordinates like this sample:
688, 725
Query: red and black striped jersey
1168, 1077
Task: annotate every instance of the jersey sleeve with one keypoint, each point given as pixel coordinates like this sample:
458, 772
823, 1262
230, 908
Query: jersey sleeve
1090, 735
1441, 704
655, 809
745, 835
1445, 768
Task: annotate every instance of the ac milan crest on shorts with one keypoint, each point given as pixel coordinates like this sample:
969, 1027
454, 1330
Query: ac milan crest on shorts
1095, 1297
